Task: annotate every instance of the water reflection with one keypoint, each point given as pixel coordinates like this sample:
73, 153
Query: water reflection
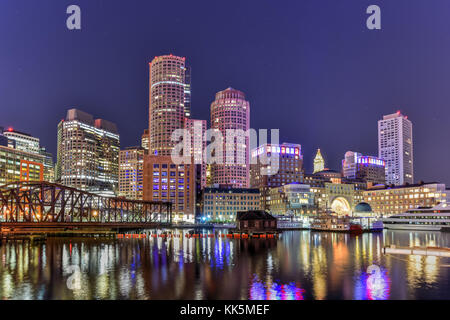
299, 265
373, 284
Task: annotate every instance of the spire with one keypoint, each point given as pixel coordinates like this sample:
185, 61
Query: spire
319, 162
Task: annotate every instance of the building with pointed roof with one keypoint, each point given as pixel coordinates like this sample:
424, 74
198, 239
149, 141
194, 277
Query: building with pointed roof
319, 162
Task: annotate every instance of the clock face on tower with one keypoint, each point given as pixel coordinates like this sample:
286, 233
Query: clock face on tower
216, 151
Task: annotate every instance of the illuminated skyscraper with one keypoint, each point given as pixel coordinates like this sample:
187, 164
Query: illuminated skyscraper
319, 162
230, 110
88, 153
395, 146
169, 94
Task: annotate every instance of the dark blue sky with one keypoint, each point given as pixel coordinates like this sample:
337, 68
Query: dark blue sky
308, 67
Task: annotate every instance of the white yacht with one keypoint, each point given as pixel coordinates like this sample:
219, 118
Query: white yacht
435, 218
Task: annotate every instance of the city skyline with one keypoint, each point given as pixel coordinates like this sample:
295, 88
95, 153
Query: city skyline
220, 156
353, 118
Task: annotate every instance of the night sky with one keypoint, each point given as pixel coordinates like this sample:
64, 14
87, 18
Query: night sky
308, 67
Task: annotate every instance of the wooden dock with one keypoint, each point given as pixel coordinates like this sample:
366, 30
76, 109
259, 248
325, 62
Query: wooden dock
35, 231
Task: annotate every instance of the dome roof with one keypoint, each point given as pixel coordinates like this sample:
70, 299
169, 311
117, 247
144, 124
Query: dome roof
363, 207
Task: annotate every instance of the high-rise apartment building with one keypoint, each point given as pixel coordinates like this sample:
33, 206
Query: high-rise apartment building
319, 162
355, 166
169, 93
131, 173
88, 153
395, 146
230, 111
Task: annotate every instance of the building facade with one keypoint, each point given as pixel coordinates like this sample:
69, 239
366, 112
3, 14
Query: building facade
131, 173
17, 165
23, 141
166, 181
222, 204
88, 153
29, 144
168, 94
291, 199
49, 166
394, 200
231, 111
355, 166
197, 129
395, 146
287, 169
145, 138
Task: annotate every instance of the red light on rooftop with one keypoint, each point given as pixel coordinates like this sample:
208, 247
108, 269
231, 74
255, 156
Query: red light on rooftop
10, 129
398, 112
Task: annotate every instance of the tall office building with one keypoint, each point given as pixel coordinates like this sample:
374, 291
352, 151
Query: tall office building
230, 110
355, 166
131, 173
167, 101
197, 129
395, 146
88, 153
319, 162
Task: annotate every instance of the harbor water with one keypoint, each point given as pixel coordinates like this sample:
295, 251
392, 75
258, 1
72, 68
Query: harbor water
298, 265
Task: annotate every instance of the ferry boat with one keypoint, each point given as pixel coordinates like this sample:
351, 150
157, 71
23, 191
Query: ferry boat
435, 218
330, 221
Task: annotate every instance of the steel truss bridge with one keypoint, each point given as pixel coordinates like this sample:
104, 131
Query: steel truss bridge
50, 204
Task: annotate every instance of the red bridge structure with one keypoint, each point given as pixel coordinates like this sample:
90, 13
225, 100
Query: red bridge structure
49, 207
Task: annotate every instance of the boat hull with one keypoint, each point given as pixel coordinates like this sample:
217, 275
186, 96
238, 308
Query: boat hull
412, 227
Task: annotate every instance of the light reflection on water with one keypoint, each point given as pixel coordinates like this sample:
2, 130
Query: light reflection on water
300, 265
